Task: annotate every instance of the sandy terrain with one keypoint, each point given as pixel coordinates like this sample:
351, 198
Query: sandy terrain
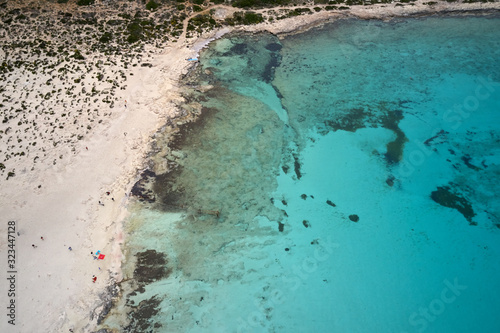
75, 129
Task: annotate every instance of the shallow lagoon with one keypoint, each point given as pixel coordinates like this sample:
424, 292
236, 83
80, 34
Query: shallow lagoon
344, 179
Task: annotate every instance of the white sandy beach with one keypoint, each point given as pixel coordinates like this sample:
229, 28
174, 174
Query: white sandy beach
57, 197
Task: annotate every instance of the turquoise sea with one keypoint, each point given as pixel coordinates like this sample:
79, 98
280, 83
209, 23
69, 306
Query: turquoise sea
344, 179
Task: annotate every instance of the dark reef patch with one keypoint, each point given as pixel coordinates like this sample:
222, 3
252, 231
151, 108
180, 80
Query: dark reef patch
239, 48
107, 297
381, 114
151, 266
394, 148
142, 188
192, 127
296, 166
351, 121
445, 197
329, 202
274, 47
140, 316
466, 159
440, 133
165, 186
268, 73
281, 227
354, 218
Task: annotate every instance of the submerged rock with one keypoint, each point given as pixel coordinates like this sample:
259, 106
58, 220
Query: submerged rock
328, 202
141, 187
140, 316
354, 218
151, 266
445, 197
281, 227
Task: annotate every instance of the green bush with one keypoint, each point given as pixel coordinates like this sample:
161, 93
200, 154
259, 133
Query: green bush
245, 18
85, 2
260, 3
106, 37
151, 5
252, 18
78, 55
135, 32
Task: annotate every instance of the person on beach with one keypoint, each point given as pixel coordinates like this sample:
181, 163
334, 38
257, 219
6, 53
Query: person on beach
34, 246
69, 248
94, 278
41, 238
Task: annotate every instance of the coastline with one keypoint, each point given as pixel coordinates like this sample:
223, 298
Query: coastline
55, 288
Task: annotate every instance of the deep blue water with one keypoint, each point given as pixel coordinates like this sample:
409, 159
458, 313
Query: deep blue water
355, 172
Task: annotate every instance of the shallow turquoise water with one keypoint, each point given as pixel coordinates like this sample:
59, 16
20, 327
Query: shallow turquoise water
355, 172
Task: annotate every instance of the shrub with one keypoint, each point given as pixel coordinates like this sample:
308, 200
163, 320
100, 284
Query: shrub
151, 5
135, 31
246, 18
85, 2
78, 55
106, 37
11, 174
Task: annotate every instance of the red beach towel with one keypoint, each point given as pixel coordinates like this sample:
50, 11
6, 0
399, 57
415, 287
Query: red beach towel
101, 256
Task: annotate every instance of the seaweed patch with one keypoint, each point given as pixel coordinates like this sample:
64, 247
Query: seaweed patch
142, 188
151, 266
329, 202
296, 165
354, 218
140, 316
394, 148
281, 227
445, 197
